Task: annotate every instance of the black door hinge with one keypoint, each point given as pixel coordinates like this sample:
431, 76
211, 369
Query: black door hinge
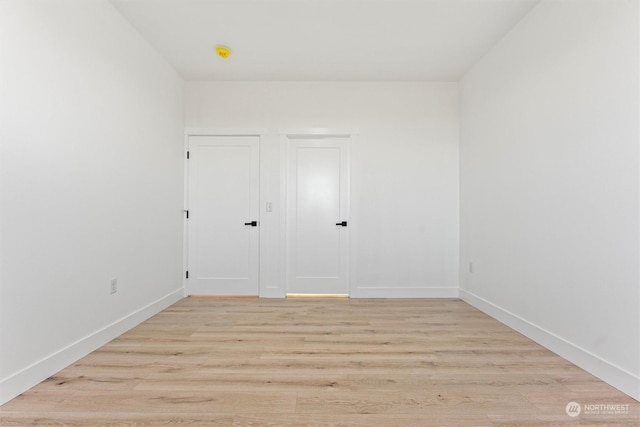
187, 212
187, 155
187, 275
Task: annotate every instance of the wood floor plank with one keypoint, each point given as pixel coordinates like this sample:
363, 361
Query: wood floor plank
432, 402
318, 362
120, 419
361, 420
163, 400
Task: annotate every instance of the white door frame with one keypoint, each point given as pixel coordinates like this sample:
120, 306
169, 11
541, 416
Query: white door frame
286, 136
260, 133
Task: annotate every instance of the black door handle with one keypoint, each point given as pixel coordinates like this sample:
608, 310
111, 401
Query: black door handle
342, 224
252, 223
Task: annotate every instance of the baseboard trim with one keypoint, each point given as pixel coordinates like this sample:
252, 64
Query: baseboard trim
196, 296
30, 376
617, 377
311, 296
404, 292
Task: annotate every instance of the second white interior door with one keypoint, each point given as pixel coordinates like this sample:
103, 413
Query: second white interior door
318, 216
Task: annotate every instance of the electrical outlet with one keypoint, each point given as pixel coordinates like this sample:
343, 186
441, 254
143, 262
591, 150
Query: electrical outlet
114, 286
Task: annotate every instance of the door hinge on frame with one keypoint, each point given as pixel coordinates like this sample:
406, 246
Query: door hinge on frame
187, 155
186, 211
187, 275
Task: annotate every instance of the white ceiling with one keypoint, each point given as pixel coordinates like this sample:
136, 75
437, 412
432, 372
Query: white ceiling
324, 40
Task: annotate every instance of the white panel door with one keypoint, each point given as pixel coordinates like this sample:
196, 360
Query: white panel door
317, 216
223, 200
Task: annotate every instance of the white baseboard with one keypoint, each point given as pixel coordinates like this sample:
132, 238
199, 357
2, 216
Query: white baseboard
30, 376
617, 377
404, 292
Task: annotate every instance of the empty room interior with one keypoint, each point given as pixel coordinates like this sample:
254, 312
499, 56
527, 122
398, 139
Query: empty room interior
320, 212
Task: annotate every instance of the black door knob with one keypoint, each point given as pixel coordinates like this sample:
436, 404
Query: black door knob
342, 224
252, 223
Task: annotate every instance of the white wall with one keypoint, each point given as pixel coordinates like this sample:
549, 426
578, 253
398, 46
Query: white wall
90, 184
404, 172
549, 184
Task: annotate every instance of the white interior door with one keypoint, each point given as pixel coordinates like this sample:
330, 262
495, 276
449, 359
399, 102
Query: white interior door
223, 200
317, 216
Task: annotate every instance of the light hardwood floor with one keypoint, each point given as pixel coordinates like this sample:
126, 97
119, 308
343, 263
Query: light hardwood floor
331, 362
